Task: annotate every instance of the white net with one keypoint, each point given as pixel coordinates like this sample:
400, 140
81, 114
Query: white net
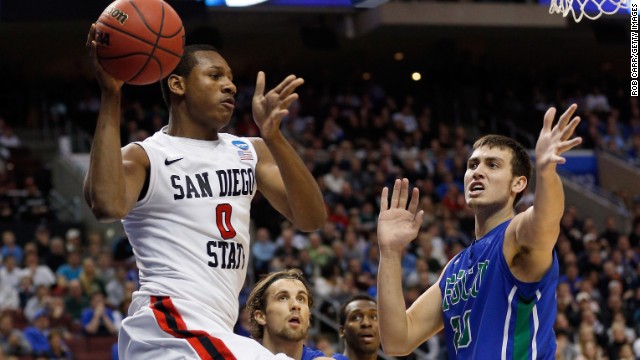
591, 9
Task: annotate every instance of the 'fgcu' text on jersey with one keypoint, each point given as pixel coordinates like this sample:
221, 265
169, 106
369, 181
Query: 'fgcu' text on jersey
190, 232
488, 313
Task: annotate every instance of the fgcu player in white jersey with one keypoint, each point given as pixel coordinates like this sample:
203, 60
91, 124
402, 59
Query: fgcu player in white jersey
496, 299
184, 198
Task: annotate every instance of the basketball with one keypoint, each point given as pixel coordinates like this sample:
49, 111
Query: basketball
139, 41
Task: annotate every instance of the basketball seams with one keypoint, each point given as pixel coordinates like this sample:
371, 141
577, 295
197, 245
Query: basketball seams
144, 21
139, 38
117, 57
155, 46
127, 51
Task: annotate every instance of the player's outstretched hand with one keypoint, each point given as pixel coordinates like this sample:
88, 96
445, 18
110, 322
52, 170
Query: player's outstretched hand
269, 109
398, 224
106, 81
555, 140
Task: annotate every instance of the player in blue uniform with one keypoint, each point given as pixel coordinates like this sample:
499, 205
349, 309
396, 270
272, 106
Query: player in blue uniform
279, 308
496, 298
359, 327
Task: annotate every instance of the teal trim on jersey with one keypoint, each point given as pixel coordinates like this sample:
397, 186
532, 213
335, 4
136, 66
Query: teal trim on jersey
522, 333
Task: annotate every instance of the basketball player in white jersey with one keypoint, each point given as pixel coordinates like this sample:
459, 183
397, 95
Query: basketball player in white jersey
184, 197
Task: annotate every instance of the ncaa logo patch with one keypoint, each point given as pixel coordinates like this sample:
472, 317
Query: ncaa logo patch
244, 153
240, 144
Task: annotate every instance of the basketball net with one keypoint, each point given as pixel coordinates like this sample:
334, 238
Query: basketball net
577, 8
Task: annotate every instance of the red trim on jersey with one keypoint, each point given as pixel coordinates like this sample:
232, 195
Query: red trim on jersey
171, 322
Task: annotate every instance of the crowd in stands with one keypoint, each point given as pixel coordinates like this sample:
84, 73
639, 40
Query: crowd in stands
57, 288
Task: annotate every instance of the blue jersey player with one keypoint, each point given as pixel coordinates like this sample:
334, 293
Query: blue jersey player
496, 298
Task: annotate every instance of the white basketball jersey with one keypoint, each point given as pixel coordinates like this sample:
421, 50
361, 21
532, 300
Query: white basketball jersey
190, 232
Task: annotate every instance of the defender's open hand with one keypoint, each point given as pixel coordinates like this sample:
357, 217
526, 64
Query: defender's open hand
397, 223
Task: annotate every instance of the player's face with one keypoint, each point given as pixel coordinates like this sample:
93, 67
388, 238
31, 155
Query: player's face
361, 327
488, 180
287, 313
209, 90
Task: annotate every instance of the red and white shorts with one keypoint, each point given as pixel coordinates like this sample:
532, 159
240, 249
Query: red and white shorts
160, 327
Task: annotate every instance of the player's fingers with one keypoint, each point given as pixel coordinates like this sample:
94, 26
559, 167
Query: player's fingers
566, 116
413, 204
569, 144
384, 199
558, 159
568, 131
280, 88
259, 84
417, 221
290, 88
395, 194
91, 35
548, 118
287, 102
404, 194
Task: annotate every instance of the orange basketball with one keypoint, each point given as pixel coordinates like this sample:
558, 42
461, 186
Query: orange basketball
139, 41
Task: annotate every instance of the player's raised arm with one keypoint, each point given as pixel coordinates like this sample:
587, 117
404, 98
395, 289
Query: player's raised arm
399, 221
540, 225
282, 175
115, 176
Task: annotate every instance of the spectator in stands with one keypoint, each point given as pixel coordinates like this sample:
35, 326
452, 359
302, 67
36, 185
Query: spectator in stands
75, 301
319, 253
368, 217
104, 266
611, 231
10, 247
288, 253
262, 251
8, 138
34, 205
9, 298
243, 324
279, 309
363, 281
565, 349
37, 334
40, 274
289, 234
339, 216
116, 288
25, 290
70, 270
7, 204
39, 301
42, 239
10, 273
335, 180
97, 319
571, 277
358, 319
355, 246
58, 350
633, 150
89, 277
12, 340
73, 241
57, 256
94, 246
371, 261
59, 318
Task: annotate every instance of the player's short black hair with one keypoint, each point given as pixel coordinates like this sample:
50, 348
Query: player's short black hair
342, 315
187, 62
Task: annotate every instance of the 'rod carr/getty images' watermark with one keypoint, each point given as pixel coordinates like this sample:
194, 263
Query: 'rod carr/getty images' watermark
634, 47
